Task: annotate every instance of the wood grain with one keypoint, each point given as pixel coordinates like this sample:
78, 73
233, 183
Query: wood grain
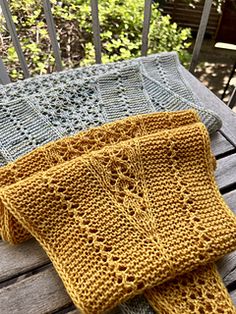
18, 259
225, 172
37, 294
210, 101
220, 145
233, 296
227, 264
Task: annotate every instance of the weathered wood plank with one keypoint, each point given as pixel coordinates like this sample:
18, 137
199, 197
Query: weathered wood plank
228, 263
220, 145
232, 101
4, 77
12, 29
18, 259
225, 266
233, 296
231, 277
96, 31
37, 294
52, 34
146, 26
212, 102
230, 199
225, 172
200, 34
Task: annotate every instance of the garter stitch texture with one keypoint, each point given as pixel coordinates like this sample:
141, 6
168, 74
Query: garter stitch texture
127, 217
55, 153
43, 109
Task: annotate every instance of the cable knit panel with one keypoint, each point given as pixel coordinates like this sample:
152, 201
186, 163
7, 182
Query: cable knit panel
128, 217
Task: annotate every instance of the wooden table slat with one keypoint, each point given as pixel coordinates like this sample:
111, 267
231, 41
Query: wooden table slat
214, 103
225, 175
37, 294
220, 145
19, 259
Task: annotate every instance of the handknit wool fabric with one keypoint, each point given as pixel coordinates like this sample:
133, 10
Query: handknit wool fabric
200, 292
55, 153
66, 149
128, 217
75, 100
163, 67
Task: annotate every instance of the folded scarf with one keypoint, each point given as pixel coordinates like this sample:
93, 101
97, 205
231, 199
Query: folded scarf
163, 67
78, 99
154, 192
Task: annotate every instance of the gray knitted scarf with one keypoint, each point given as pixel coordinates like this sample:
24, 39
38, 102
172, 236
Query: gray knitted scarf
44, 108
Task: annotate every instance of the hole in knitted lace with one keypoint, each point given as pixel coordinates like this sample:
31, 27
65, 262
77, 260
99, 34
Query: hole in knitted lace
86, 222
209, 295
122, 268
201, 282
190, 201
100, 239
208, 307
192, 296
192, 307
200, 228
130, 278
131, 212
70, 214
74, 205
93, 230
61, 189
90, 240
140, 285
104, 258
107, 248
143, 207
201, 257
68, 197
64, 206
201, 310
220, 310
119, 280
115, 258
129, 290
130, 187
196, 219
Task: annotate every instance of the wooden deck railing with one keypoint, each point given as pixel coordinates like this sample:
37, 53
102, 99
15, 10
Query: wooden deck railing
4, 78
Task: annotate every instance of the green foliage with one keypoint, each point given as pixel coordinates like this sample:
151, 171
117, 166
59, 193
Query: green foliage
121, 31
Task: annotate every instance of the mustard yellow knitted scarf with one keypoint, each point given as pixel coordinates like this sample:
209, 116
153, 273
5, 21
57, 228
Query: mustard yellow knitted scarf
123, 209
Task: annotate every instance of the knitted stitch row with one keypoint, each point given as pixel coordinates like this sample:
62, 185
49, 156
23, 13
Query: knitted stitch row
163, 67
71, 103
160, 185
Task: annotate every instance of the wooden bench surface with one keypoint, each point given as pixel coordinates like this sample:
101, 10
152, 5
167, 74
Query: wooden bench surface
28, 282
